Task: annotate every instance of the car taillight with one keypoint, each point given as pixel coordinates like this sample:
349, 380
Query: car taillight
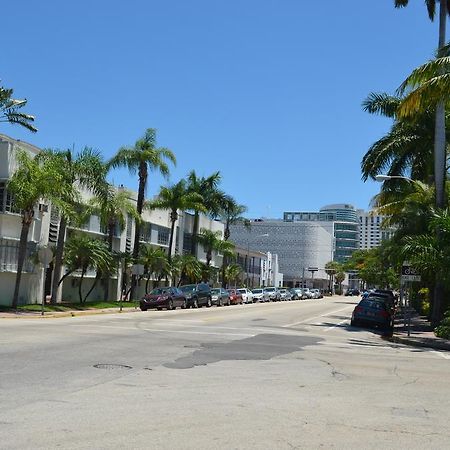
358, 309
384, 314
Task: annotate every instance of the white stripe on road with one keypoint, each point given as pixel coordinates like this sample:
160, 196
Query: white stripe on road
337, 325
314, 318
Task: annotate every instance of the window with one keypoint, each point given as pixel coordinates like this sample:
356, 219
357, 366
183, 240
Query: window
163, 235
6, 199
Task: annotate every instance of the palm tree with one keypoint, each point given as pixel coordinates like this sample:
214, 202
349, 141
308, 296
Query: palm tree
230, 214
340, 277
142, 158
233, 273
413, 81
407, 149
112, 206
331, 268
187, 268
82, 170
28, 185
176, 198
212, 199
10, 110
212, 241
83, 253
155, 262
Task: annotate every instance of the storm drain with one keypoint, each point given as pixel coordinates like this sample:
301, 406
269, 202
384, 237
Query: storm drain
112, 366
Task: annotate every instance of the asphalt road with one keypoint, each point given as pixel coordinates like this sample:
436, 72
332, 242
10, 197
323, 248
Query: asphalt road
265, 376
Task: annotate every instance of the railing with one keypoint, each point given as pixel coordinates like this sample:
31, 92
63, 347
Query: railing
9, 253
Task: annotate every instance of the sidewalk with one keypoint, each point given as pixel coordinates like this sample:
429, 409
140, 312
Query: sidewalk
420, 332
55, 314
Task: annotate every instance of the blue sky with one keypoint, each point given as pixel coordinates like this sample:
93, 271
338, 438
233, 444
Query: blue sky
268, 92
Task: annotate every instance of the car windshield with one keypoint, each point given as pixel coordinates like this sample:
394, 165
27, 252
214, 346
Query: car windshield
159, 291
282, 291
270, 289
373, 304
242, 291
231, 291
257, 291
188, 288
215, 291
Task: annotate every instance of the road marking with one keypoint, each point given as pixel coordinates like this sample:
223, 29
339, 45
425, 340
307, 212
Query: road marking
337, 325
314, 318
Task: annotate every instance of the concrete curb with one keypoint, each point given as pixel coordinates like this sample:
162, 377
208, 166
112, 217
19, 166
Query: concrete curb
73, 313
423, 343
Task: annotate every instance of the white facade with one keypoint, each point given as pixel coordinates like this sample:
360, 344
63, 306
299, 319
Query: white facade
44, 230
371, 232
298, 246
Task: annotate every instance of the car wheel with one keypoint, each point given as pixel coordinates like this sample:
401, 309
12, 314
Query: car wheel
171, 306
208, 303
184, 305
220, 302
159, 308
143, 308
195, 304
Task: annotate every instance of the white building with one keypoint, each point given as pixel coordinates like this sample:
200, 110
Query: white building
371, 231
44, 231
298, 246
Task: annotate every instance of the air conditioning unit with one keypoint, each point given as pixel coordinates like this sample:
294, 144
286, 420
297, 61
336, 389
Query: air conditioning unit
43, 208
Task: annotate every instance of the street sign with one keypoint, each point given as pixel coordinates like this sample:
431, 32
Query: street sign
313, 269
137, 269
410, 273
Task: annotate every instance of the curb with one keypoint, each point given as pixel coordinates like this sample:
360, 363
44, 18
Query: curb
74, 313
438, 345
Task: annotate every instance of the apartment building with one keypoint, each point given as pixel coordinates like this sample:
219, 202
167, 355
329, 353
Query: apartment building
44, 231
371, 230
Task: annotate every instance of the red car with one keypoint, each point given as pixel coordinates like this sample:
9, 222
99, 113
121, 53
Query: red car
164, 297
235, 297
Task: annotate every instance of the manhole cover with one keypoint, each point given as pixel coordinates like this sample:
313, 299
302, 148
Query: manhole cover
111, 366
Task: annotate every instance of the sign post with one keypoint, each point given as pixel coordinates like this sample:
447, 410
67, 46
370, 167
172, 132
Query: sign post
138, 270
409, 274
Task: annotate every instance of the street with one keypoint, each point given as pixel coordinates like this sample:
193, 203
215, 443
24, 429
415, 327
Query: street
264, 376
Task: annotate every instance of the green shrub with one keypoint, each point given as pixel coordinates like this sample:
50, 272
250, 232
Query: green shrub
443, 330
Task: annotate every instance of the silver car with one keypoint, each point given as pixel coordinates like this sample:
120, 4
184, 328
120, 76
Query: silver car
273, 293
285, 294
259, 295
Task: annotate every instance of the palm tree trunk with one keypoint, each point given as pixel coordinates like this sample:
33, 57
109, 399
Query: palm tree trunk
26, 222
194, 234
110, 248
97, 277
80, 295
137, 227
440, 167
58, 259
172, 232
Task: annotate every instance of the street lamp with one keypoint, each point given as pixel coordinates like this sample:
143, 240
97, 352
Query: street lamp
383, 177
247, 269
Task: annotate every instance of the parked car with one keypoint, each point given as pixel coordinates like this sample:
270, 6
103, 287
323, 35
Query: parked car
273, 293
235, 297
372, 311
351, 292
197, 295
296, 293
220, 297
259, 295
386, 298
247, 295
307, 293
285, 294
317, 293
164, 297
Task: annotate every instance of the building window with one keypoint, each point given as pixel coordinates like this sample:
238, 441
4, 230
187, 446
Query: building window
6, 200
163, 235
187, 243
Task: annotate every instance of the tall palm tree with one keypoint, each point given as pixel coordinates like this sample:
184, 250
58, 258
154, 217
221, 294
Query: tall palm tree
84, 169
212, 241
112, 206
142, 158
230, 214
407, 149
10, 110
233, 274
28, 185
440, 133
207, 187
176, 198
